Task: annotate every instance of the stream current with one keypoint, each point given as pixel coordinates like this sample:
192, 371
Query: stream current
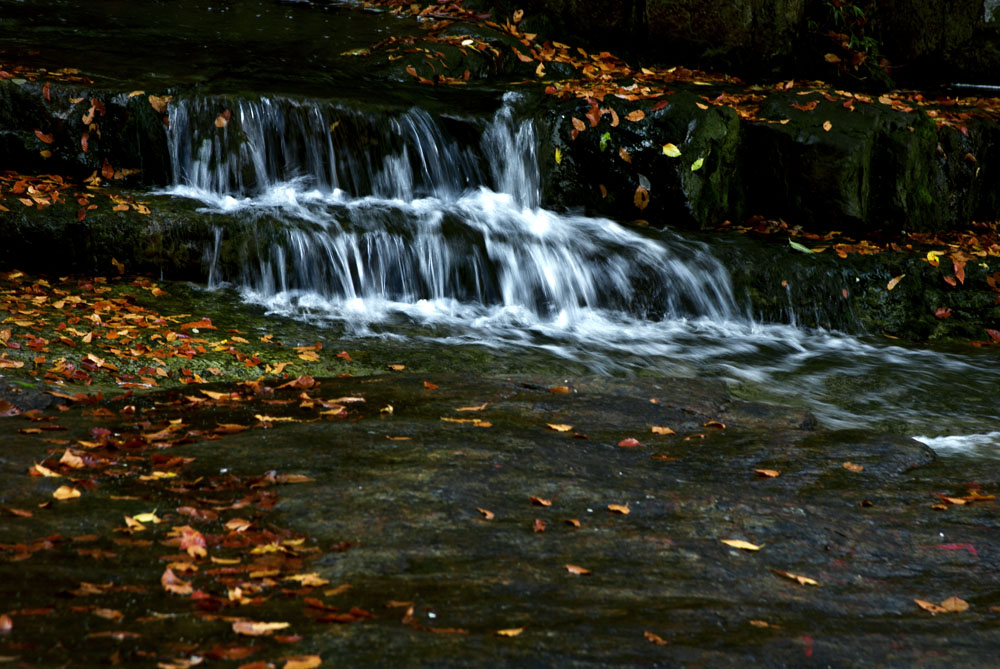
424, 230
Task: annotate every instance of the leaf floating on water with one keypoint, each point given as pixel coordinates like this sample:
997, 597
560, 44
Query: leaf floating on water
619, 508
41, 470
65, 492
479, 407
714, 424
579, 571
430, 386
671, 150
827, 126
559, 427
559, 390
934, 258
635, 116
851, 467
605, 140
572, 522
801, 580
302, 662
655, 638
662, 429
540, 501
250, 628
894, 282
696, 165
172, 583
742, 545
799, 247
767, 473
955, 605
624, 155
629, 442
396, 367
487, 514
538, 525
47, 138
159, 103
942, 312
512, 632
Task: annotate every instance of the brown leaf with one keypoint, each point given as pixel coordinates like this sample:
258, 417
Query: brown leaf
70, 459
714, 424
6, 624
487, 514
641, 198
619, 508
579, 571
635, 116
827, 126
539, 501
159, 103
303, 662
624, 155
930, 606
894, 282
578, 124
662, 429
478, 407
172, 583
955, 605
655, 638
559, 390
538, 525
850, 466
430, 386
573, 522
768, 473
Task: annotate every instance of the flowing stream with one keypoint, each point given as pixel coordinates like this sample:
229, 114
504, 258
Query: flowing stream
400, 225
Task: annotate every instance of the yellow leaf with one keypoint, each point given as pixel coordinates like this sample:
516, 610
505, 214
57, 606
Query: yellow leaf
954, 605
396, 368
801, 580
739, 543
310, 579
150, 517
558, 427
250, 628
574, 569
619, 508
831, 58
479, 407
934, 257
513, 631
41, 470
65, 492
309, 356
894, 282
827, 126
558, 156
662, 429
671, 150
769, 473
303, 662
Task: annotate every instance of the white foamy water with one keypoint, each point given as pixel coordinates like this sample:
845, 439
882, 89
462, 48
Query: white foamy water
409, 234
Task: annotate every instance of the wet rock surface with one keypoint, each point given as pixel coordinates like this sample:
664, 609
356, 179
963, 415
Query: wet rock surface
396, 509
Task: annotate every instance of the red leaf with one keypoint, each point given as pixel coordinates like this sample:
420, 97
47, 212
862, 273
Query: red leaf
994, 335
42, 136
630, 442
107, 171
943, 312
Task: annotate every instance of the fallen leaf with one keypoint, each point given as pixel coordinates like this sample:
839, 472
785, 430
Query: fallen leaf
559, 390
769, 473
172, 583
396, 367
478, 407
159, 103
930, 606
827, 126
850, 466
65, 492
671, 150
47, 138
696, 165
641, 198
41, 470
655, 638
302, 662
714, 424
559, 427
942, 312
578, 124
487, 514
539, 501
250, 628
662, 429
629, 442
6, 624
513, 631
955, 605
574, 569
894, 282
739, 543
538, 525
624, 155
430, 386
572, 522
801, 580
619, 508
635, 116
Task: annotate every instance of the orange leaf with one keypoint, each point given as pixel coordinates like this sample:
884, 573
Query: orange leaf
942, 312
959, 267
539, 501
930, 606
172, 583
714, 424
655, 638
894, 282
396, 367
827, 126
65, 492
430, 386
538, 525
629, 442
302, 662
559, 390
513, 631
578, 124
559, 427
574, 569
6, 624
47, 138
107, 171
479, 407
250, 628
636, 116
619, 508
955, 605
851, 467
950, 280
624, 155
641, 197
573, 522
768, 473
487, 514
662, 429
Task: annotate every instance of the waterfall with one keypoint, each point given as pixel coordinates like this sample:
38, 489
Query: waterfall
345, 206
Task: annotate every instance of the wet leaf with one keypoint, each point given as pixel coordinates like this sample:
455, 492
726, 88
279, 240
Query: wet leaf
149, 517
578, 124
303, 662
540, 70
559, 427
950, 280
572, 522
47, 138
309, 356
396, 367
696, 165
8, 410
629, 442
655, 638
540, 501
487, 514
250, 628
624, 155
662, 429
174, 584
851, 467
311, 579
605, 140
827, 126
671, 150
619, 508
558, 156
41, 470
801, 580
768, 473
894, 282
635, 116
579, 571
934, 258
513, 631
799, 247
955, 605
538, 525
641, 198
942, 312
560, 390
714, 425
743, 545
430, 386
478, 407
959, 268
65, 492
930, 606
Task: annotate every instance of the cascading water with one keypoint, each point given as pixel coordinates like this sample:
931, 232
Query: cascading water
400, 224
